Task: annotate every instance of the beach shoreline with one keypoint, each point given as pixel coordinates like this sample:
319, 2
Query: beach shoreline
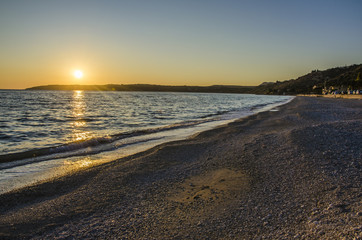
345, 96
293, 172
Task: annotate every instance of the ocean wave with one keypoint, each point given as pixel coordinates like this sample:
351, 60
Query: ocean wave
218, 113
92, 146
4, 136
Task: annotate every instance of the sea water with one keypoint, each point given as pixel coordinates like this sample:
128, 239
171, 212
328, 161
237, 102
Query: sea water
45, 134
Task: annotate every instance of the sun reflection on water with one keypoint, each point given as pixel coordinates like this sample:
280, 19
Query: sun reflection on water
79, 124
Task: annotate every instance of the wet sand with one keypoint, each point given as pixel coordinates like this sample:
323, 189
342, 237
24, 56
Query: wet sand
294, 173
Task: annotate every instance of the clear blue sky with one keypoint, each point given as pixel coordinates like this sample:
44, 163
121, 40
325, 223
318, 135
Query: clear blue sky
174, 42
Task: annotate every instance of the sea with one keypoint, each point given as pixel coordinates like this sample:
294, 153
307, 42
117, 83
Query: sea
46, 134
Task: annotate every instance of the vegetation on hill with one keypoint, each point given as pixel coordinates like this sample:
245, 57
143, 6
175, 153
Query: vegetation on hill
340, 78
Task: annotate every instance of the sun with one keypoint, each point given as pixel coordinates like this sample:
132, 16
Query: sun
78, 74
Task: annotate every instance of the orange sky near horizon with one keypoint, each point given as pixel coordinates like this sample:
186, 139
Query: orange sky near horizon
174, 43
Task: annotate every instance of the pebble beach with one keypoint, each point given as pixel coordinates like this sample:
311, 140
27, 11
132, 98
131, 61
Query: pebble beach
290, 173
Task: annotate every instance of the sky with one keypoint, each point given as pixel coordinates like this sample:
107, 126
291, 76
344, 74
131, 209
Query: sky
186, 42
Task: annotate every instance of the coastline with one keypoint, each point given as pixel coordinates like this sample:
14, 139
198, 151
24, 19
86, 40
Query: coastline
345, 96
288, 173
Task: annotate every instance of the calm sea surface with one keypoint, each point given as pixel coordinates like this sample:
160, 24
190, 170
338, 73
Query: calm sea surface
41, 129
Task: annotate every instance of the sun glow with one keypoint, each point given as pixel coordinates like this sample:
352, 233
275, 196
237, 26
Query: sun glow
78, 74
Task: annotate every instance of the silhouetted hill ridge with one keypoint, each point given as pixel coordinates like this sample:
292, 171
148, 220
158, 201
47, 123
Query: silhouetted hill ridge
148, 88
342, 78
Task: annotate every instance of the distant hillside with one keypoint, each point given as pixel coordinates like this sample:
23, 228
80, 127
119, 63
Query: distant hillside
148, 88
341, 78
